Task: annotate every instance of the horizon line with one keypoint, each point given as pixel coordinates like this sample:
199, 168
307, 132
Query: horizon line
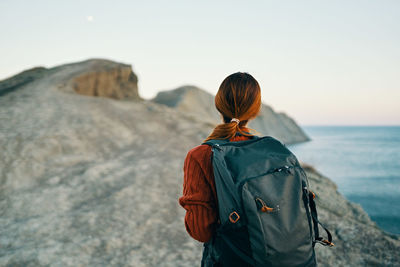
349, 125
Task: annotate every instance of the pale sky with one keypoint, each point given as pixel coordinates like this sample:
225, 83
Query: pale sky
321, 62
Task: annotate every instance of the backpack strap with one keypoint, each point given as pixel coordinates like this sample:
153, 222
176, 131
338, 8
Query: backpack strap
314, 216
213, 142
223, 228
216, 142
238, 252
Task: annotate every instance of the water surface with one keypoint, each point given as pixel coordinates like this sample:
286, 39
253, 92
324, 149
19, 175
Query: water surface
364, 161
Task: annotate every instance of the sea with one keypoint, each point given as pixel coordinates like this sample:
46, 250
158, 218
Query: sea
364, 162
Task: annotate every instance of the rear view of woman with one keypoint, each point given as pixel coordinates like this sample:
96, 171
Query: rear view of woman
247, 197
238, 100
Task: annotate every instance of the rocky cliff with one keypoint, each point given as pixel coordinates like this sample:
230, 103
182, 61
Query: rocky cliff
19, 80
195, 101
358, 240
94, 181
102, 78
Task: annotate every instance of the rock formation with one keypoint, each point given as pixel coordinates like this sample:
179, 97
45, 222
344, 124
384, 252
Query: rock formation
95, 181
21, 79
358, 240
199, 103
100, 78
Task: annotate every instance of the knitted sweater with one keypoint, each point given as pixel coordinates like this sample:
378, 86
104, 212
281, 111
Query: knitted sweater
199, 197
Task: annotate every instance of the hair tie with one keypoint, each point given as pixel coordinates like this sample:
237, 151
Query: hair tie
235, 120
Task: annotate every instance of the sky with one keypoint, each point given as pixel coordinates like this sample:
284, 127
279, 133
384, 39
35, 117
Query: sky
321, 62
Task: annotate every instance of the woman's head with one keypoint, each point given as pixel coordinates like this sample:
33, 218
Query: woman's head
239, 96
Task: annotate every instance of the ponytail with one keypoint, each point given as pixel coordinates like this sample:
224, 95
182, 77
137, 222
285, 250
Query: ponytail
238, 97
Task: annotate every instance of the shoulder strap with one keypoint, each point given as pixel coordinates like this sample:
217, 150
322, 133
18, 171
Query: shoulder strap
315, 220
222, 141
216, 142
238, 252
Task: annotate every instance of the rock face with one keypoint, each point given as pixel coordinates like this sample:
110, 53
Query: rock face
101, 78
358, 240
21, 79
94, 77
95, 181
199, 103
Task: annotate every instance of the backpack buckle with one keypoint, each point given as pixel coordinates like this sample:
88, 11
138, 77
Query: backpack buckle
234, 217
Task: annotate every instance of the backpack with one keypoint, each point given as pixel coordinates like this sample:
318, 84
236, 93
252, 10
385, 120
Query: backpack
267, 214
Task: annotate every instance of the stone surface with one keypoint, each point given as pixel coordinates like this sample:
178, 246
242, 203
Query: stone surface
21, 79
99, 77
94, 181
199, 103
358, 240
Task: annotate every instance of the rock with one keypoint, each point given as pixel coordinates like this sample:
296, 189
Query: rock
95, 181
93, 77
358, 240
19, 80
99, 77
193, 100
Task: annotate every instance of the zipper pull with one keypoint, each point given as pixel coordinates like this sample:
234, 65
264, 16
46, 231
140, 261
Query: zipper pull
288, 169
264, 207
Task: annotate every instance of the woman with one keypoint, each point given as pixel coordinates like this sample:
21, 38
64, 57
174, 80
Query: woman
238, 100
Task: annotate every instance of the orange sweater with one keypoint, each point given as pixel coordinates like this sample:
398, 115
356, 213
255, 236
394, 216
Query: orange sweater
199, 197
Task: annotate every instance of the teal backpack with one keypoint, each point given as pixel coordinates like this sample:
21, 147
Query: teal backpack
267, 214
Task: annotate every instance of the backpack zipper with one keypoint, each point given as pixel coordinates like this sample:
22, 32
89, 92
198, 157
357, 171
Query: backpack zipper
283, 168
264, 207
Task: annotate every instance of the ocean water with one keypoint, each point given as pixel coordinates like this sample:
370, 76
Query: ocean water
364, 161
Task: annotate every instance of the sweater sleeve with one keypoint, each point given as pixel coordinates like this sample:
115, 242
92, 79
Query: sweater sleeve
198, 198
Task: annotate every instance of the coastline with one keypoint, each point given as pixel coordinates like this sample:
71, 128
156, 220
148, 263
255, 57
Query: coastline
360, 161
